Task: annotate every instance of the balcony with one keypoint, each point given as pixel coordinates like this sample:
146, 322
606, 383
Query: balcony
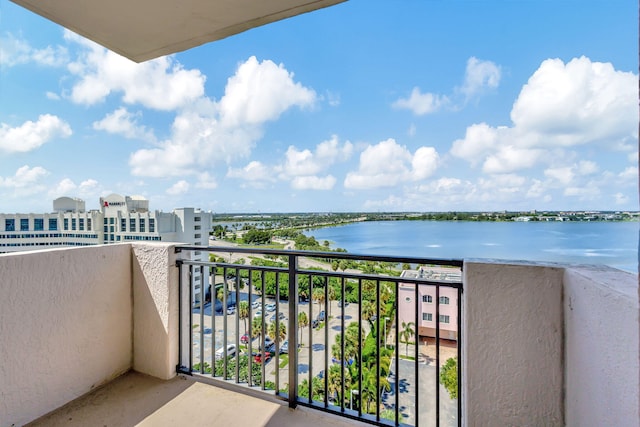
95, 334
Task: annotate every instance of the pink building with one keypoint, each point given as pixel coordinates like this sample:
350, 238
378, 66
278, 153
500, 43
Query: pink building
426, 304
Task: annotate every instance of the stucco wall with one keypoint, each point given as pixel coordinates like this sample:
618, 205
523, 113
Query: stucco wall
155, 291
512, 345
602, 374
65, 326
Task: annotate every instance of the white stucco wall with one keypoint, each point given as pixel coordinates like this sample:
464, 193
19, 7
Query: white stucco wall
65, 326
512, 345
601, 347
155, 292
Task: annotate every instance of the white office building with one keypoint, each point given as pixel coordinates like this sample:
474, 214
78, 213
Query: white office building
119, 219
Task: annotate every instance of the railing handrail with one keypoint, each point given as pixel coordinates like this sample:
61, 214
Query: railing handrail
320, 254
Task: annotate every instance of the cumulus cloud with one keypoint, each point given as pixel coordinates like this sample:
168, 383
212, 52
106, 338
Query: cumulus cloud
31, 135
254, 171
421, 103
15, 51
26, 181
66, 187
206, 181
480, 76
305, 162
260, 92
387, 164
561, 106
161, 84
313, 182
180, 187
122, 122
207, 132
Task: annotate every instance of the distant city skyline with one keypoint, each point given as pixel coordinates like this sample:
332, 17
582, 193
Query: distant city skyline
360, 107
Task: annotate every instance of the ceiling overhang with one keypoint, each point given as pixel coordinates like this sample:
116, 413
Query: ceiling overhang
145, 29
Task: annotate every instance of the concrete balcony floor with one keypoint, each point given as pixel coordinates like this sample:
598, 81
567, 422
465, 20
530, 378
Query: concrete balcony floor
134, 399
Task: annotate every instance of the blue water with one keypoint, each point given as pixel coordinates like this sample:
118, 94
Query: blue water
610, 243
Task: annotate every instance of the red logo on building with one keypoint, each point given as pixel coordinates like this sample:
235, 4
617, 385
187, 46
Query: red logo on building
106, 204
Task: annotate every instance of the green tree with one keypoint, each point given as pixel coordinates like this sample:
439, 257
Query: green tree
318, 295
449, 377
243, 312
271, 331
256, 327
303, 322
407, 333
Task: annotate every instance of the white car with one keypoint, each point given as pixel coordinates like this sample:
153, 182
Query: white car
270, 307
256, 304
257, 313
231, 351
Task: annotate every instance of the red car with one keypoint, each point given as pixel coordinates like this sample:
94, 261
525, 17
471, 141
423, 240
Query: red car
244, 339
257, 357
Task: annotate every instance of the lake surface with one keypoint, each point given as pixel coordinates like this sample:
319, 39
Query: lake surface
610, 243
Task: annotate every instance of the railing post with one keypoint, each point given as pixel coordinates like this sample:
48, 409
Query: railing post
293, 327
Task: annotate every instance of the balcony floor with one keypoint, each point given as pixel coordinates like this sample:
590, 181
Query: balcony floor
139, 400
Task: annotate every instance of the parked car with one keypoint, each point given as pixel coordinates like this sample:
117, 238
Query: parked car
321, 316
270, 307
244, 339
315, 323
256, 304
257, 357
284, 348
280, 316
230, 351
257, 313
231, 309
269, 345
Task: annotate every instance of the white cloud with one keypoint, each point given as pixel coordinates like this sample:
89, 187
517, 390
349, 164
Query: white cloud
14, 51
66, 187
161, 84
563, 175
31, 135
255, 173
206, 132
124, 123
260, 92
180, 187
577, 103
26, 181
630, 174
620, 199
480, 75
206, 181
421, 103
304, 162
52, 96
387, 164
562, 105
313, 182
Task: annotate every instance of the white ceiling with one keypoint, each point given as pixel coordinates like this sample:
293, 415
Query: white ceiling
146, 29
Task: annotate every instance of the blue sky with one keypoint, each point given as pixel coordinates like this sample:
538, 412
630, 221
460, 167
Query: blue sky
365, 106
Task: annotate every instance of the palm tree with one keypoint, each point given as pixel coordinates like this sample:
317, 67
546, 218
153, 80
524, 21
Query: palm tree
271, 331
243, 312
406, 333
318, 295
334, 378
332, 297
256, 327
303, 321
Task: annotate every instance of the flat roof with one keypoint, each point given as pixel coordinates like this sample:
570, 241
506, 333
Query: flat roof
145, 29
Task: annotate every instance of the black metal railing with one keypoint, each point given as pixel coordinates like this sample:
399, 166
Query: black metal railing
345, 365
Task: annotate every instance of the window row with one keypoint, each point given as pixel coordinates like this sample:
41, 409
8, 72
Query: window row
428, 317
429, 299
38, 224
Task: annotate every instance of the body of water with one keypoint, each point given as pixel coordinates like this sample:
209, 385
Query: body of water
610, 243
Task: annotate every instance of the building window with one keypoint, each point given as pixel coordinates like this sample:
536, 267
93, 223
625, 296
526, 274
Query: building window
38, 224
10, 224
444, 319
111, 229
132, 225
196, 219
427, 316
444, 300
152, 225
112, 220
73, 223
66, 223
106, 229
196, 227
81, 224
88, 224
123, 224
427, 298
106, 221
53, 224
142, 225
197, 236
24, 224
